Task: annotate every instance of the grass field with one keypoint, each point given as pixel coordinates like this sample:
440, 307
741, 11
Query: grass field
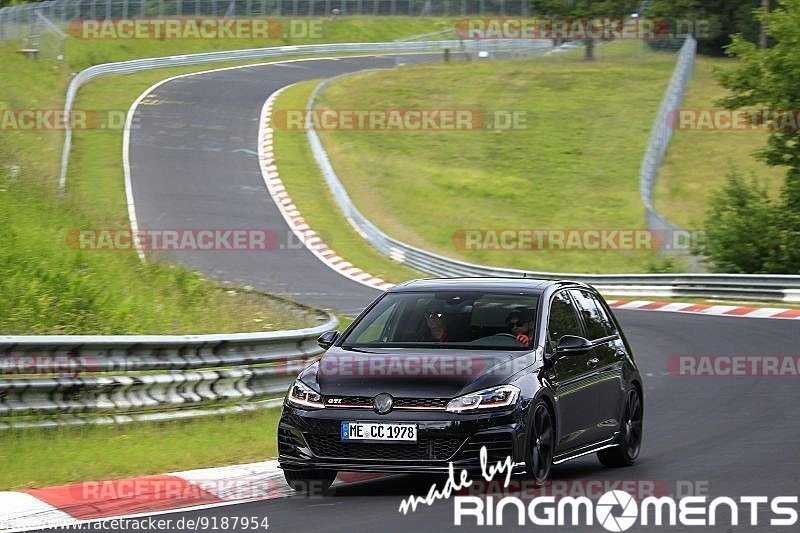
698, 162
46, 287
41, 458
575, 166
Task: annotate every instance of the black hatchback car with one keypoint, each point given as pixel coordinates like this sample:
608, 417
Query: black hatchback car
435, 370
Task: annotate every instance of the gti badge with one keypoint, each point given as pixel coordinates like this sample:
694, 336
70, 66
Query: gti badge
382, 403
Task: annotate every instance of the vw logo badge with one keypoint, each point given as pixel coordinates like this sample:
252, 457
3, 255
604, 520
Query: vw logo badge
382, 403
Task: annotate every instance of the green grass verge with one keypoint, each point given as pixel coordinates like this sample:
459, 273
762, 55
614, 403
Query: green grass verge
41, 458
697, 162
576, 166
47, 287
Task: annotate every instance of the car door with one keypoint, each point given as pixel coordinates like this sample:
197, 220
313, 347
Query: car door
572, 376
608, 355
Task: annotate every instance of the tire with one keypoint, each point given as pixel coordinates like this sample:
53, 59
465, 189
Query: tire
310, 482
629, 442
541, 444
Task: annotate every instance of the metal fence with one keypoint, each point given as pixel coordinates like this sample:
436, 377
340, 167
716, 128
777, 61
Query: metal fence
15, 20
661, 133
114, 379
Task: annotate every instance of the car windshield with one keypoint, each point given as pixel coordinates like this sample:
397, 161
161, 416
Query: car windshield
450, 319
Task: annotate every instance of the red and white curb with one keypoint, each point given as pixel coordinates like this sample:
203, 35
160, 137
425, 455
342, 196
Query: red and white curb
708, 309
92, 501
290, 213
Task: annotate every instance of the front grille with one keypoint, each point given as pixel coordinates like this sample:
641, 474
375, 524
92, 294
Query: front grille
498, 447
399, 403
421, 402
425, 449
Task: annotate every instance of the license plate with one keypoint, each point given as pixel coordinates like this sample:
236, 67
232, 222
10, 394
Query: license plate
379, 431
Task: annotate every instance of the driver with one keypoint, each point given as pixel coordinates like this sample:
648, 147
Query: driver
435, 329
520, 325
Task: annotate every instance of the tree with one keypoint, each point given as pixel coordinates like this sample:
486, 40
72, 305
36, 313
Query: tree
723, 18
614, 9
767, 80
740, 234
764, 81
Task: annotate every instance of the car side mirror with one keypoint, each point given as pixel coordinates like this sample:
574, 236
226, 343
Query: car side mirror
327, 339
573, 345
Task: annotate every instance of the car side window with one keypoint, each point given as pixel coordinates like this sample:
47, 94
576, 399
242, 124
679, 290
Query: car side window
563, 319
598, 324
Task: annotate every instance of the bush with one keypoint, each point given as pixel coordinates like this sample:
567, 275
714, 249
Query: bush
749, 233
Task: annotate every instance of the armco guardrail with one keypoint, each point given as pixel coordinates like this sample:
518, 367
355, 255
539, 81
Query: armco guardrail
58, 380
785, 288
138, 65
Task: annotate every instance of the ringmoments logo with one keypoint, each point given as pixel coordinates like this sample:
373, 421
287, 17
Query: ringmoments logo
615, 510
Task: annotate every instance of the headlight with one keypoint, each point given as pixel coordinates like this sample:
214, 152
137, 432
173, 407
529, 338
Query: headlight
502, 396
301, 395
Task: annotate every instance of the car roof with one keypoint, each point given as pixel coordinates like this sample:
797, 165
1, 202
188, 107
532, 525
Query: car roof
480, 284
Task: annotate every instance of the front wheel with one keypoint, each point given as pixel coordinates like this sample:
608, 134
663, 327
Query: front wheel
630, 439
311, 482
539, 459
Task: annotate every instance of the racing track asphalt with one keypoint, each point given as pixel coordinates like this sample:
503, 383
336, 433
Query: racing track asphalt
194, 165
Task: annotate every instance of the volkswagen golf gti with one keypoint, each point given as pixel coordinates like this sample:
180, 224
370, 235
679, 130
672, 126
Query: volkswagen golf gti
435, 370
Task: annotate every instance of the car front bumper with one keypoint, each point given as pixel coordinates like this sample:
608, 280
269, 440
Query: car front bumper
311, 439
